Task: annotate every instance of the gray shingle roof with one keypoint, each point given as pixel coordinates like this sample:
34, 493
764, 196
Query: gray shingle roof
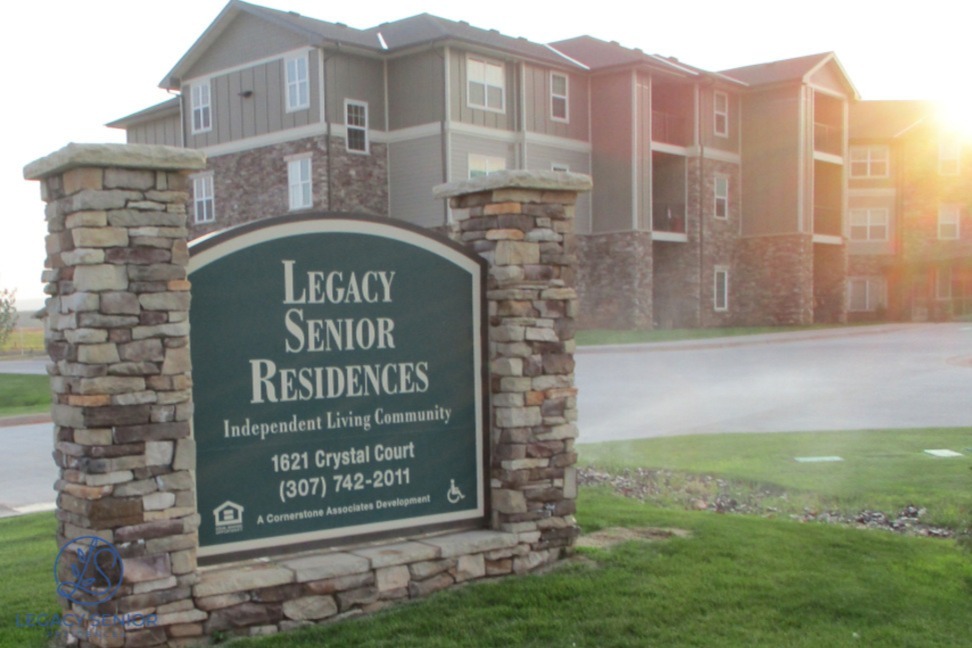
794, 69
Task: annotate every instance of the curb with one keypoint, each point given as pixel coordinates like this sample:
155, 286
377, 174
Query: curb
26, 419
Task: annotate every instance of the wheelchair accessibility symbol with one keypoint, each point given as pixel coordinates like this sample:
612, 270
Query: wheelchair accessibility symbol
454, 495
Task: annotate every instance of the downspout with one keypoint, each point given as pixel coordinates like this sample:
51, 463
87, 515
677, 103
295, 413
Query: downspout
322, 78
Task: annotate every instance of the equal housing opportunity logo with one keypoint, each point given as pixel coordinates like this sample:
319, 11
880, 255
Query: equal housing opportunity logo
88, 571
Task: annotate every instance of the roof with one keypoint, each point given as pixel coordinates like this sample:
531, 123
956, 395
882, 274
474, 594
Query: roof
422, 29
887, 119
794, 70
152, 112
596, 54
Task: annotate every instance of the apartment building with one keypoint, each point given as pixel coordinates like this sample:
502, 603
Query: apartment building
909, 230
719, 198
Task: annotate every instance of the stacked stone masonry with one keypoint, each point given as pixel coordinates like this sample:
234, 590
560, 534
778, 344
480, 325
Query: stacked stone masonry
118, 334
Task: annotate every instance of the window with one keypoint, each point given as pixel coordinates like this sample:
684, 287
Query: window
721, 295
721, 123
869, 161
948, 158
721, 197
558, 97
202, 116
943, 282
298, 84
486, 84
866, 294
356, 120
299, 182
203, 200
948, 222
480, 165
869, 224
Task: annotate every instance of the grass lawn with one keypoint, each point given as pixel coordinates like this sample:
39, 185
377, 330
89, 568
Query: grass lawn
593, 337
23, 341
737, 581
24, 394
881, 469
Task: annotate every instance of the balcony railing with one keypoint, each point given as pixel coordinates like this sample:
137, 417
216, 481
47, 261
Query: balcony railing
669, 128
827, 138
668, 217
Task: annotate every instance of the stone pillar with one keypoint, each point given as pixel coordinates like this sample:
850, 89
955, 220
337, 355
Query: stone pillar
521, 222
117, 332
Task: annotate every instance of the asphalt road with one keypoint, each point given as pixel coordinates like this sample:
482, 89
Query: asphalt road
895, 376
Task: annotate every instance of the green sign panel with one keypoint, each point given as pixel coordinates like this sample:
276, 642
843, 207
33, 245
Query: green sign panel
338, 382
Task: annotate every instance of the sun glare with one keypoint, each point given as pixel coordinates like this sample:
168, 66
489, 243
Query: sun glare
956, 116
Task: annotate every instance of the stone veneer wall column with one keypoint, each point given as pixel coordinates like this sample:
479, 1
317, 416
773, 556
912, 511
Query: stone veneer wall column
117, 332
522, 223
614, 280
776, 282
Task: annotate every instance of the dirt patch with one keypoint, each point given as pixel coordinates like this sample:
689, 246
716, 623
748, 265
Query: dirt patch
606, 538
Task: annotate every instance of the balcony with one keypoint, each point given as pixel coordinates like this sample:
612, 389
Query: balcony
668, 217
827, 221
827, 139
670, 128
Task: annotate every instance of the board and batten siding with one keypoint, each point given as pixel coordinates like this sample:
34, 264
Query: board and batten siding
460, 110
537, 99
463, 145
358, 78
611, 161
772, 168
236, 117
164, 131
416, 89
541, 157
246, 38
414, 168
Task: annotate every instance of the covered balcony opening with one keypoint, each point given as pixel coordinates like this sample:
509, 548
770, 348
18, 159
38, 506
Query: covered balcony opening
828, 199
668, 193
672, 110
828, 124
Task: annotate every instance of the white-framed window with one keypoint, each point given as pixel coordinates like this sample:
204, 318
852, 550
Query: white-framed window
869, 161
948, 221
721, 206
720, 124
943, 282
869, 224
480, 165
298, 83
866, 294
299, 182
202, 112
485, 84
948, 157
559, 86
560, 166
203, 199
720, 295
356, 121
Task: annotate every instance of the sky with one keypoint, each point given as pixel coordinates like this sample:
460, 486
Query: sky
71, 66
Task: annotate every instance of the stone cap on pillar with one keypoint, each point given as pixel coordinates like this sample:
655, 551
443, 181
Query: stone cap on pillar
519, 179
125, 156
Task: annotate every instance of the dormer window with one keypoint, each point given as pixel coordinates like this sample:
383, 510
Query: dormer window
298, 84
485, 84
202, 116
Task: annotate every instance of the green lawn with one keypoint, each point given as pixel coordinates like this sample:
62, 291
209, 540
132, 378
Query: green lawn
23, 342
881, 469
23, 394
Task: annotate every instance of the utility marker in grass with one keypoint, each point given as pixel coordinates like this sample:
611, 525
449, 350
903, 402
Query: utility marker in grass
817, 459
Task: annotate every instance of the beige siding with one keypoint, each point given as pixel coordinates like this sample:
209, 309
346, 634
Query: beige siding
711, 140
415, 167
542, 158
829, 77
359, 78
537, 100
460, 109
245, 39
416, 90
771, 167
612, 141
643, 143
163, 131
463, 145
263, 111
